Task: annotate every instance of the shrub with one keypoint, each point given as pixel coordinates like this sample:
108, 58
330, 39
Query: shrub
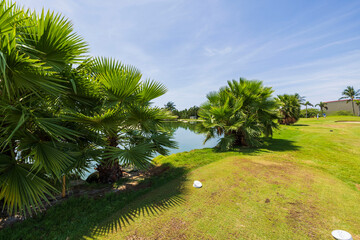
311, 112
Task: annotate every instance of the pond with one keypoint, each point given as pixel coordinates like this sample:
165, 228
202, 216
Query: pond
186, 137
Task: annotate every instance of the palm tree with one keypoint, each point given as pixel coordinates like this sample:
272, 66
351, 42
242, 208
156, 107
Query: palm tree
322, 107
349, 92
56, 118
289, 108
170, 106
124, 117
37, 143
306, 104
239, 113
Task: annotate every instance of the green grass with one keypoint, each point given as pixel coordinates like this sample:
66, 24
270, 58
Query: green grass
302, 184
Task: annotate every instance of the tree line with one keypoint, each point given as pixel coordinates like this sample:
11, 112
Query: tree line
182, 114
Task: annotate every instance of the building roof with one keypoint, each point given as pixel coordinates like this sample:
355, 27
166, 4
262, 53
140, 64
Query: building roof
338, 101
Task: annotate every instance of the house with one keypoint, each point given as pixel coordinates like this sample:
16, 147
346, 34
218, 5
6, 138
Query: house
341, 105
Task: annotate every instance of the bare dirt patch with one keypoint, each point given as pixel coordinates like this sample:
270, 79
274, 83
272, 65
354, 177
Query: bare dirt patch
302, 217
271, 172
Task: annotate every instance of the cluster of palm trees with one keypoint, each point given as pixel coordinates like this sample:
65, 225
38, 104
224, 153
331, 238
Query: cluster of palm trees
61, 110
244, 111
349, 93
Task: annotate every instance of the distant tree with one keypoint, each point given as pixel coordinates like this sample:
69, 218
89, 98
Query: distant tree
322, 106
187, 113
289, 108
306, 104
350, 93
170, 106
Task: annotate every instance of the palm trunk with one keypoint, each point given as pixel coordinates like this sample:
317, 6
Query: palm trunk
352, 101
306, 110
239, 138
63, 192
109, 170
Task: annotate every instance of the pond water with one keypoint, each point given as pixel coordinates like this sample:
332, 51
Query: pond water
186, 137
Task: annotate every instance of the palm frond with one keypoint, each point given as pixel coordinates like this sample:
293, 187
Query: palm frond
55, 39
150, 90
20, 189
139, 155
48, 156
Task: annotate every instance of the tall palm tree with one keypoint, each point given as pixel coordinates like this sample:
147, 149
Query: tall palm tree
239, 113
349, 92
306, 104
322, 107
289, 108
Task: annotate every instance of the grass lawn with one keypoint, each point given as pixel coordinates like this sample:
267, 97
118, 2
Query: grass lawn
302, 185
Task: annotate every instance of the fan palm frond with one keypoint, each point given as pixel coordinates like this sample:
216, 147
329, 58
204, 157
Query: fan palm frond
20, 188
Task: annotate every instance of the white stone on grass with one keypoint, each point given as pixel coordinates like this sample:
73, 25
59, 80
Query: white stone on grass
197, 184
341, 235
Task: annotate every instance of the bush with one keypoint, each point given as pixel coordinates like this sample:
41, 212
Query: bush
311, 112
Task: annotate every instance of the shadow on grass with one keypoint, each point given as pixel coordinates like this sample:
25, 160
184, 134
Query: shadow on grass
85, 217
151, 205
279, 145
300, 125
269, 144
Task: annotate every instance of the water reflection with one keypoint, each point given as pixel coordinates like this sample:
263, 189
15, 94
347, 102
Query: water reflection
187, 136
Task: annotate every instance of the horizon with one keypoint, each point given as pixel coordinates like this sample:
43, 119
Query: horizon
293, 47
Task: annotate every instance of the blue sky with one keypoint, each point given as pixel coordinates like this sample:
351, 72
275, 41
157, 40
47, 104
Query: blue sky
194, 47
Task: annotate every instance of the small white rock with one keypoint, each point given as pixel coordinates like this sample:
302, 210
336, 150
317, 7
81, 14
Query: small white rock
197, 184
341, 235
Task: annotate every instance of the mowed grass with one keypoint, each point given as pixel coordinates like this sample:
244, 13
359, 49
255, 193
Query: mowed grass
302, 185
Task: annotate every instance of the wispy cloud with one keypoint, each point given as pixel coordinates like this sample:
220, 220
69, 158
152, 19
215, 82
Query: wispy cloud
194, 48
213, 51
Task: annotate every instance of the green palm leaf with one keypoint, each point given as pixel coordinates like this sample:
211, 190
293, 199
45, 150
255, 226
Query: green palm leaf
139, 155
55, 40
21, 189
49, 157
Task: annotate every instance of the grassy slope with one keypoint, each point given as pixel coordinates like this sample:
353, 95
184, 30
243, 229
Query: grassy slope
308, 174
302, 185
